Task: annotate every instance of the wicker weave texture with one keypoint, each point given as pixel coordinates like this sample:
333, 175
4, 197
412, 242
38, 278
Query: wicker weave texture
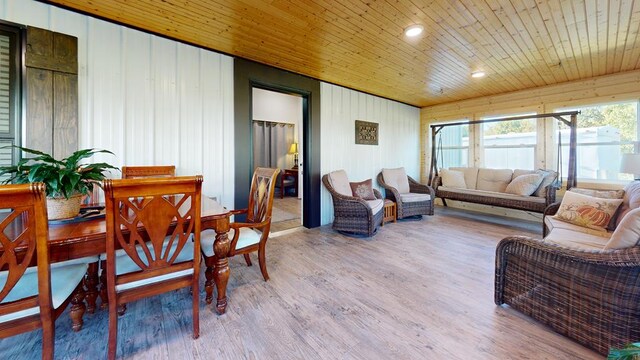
406, 209
523, 204
591, 297
352, 214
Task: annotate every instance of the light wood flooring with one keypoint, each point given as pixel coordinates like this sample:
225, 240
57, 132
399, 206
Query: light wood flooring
286, 213
416, 290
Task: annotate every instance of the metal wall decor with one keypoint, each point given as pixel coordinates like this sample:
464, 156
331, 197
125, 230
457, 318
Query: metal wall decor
366, 133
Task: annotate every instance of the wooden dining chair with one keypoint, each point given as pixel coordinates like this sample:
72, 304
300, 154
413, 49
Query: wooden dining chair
153, 242
249, 236
138, 172
31, 297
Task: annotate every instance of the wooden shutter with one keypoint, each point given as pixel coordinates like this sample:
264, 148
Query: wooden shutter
52, 92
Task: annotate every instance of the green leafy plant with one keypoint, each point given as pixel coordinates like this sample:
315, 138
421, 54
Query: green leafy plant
64, 178
629, 352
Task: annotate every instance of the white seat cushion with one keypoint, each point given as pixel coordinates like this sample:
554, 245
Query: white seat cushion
470, 175
577, 240
125, 265
493, 194
414, 197
396, 178
246, 238
375, 205
554, 223
64, 279
494, 179
340, 182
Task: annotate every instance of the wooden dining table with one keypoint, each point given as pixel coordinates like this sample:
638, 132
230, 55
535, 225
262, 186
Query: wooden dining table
76, 240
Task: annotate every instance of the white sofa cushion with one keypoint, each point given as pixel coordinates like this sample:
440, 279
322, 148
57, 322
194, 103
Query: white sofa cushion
396, 178
453, 178
555, 223
65, 276
247, 237
493, 194
524, 185
340, 182
631, 200
375, 205
470, 176
414, 197
493, 179
548, 179
577, 240
587, 211
627, 234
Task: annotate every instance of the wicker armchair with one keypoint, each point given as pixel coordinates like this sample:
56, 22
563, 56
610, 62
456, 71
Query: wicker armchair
354, 215
413, 208
591, 297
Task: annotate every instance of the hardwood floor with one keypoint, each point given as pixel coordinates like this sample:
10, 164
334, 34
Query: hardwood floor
416, 290
286, 213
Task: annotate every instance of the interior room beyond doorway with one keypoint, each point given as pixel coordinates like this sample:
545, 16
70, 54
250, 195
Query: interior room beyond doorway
277, 137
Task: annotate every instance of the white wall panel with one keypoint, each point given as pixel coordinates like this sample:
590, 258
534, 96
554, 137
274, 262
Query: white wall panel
148, 99
398, 140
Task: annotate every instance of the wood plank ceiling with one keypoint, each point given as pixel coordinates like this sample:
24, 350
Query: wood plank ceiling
360, 44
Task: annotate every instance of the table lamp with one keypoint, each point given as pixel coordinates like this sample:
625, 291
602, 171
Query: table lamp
293, 149
630, 164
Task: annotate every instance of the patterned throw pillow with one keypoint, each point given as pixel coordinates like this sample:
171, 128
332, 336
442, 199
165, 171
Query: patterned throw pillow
587, 211
363, 189
524, 185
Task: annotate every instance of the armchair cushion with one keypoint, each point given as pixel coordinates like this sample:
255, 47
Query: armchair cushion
631, 200
627, 234
375, 205
414, 197
453, 178
247, 237
340, 182
524, 185
554, 223
577, 241
586, 210
396, 178
363, 189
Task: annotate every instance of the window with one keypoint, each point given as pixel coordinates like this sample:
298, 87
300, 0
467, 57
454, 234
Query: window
453, 146
605, 132
510, 144
10, 92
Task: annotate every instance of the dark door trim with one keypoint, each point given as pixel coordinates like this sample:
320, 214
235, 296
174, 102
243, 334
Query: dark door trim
248, 75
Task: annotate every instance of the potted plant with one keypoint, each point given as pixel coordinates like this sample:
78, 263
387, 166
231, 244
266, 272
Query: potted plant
629, 352
66, 180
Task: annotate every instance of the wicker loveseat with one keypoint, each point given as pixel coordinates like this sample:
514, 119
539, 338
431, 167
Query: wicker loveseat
575, 280
411, 197
487, 187
351, 214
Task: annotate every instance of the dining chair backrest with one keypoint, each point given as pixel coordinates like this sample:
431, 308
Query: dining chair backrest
261, 194
138, 172
24, 237
166, 208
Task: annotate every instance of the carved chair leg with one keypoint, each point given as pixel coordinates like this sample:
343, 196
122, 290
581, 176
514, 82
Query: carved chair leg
208, 284
104, 297
91, 283
263, 263
77, 308
247, 259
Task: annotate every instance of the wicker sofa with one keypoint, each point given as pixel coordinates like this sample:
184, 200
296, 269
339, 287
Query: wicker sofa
487, 187
351, 214
575, 280
411, 197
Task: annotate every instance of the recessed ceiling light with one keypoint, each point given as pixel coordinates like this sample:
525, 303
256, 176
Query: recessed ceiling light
478, 74
413, 30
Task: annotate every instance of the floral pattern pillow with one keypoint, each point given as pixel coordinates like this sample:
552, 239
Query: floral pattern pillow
363, 189
587, 211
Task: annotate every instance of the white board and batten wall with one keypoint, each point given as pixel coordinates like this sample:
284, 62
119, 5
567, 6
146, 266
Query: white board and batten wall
154, 101
149, 100
398, 137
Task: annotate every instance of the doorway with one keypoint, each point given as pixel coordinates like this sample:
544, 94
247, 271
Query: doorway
277, 139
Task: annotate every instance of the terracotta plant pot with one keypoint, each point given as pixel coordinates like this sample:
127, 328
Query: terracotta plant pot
61, 208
